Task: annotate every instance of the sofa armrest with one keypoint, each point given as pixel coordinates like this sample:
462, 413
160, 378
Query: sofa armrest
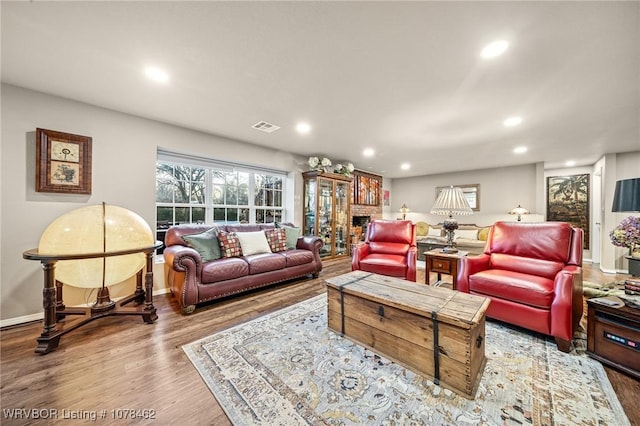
359, 252
567, 306
313, 244
412, 257
185, 272
468, 266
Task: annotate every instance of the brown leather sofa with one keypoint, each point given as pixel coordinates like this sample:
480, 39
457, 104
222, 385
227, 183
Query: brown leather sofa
193, 281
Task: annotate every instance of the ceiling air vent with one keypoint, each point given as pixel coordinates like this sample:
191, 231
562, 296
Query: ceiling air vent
263, 126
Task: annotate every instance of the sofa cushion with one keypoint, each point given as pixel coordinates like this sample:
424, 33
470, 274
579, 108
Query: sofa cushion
277, 239
434, 232
253, 243
467, 234
297, 257
206, 243
229, 244
265, 262
517, 287
525, 265
224, 269
389, 248
385, 264
243, 227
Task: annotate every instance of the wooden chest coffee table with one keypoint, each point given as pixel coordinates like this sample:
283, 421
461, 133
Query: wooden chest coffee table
404, 321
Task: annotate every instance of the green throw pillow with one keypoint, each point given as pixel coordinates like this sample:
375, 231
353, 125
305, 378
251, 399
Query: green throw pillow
292, 234
205, 243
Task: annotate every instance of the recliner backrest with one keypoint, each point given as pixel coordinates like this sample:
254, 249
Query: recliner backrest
390, 236
538, 248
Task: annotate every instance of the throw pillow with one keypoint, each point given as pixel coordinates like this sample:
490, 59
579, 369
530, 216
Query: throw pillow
292, 237
467, 234
253, 243
292, 234
206, 243
422, 229
434, 232
483, 233
277, 239
229, 244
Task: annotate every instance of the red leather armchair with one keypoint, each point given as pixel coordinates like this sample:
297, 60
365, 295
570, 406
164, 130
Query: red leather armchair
532, 272
389, 249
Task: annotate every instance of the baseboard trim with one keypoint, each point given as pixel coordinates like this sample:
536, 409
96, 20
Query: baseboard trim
21, 320
9, 322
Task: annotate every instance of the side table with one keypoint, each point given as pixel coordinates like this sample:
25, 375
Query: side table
428, 245
442, 263
613, 336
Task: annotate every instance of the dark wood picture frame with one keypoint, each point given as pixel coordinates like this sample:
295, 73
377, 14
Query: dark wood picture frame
568, 200
63, 162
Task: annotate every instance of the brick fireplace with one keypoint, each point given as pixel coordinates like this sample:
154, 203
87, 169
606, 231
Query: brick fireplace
361, 215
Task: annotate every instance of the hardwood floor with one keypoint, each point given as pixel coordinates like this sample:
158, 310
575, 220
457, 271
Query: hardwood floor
121, 363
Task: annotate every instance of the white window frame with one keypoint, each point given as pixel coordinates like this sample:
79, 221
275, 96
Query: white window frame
209, 165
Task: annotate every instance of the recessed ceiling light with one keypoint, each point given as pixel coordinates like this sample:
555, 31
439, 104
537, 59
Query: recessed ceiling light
368, 152
405, 166
512, 121
156, 74
494, 49
520, 150
303, 128
570, 163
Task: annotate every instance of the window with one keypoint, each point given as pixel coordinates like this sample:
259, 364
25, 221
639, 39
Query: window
215, 193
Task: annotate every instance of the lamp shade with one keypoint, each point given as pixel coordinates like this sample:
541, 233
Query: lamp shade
627, 196
519, 210
451, 201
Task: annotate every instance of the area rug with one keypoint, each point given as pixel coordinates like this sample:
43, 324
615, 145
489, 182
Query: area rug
287, 368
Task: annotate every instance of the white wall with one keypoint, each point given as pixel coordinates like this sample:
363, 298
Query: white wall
616, 167
501, 189
124, 157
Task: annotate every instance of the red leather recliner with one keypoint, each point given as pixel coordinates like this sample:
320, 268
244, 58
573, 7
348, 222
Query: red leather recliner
389, 249
532, 272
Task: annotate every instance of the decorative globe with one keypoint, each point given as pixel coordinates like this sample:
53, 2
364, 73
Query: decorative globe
97, 229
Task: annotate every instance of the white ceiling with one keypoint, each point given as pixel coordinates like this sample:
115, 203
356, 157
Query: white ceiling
404, 78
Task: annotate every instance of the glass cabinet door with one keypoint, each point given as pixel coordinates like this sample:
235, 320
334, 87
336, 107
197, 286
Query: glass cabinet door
325, 215
309, 225
341, 218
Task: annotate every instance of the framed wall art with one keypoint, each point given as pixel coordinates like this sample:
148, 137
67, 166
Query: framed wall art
471, 193
63, 162
568, 201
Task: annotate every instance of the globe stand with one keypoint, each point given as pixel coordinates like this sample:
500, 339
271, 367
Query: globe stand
103, 301
55, 312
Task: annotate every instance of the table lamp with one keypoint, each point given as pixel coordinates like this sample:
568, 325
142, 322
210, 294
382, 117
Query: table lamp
519, 211
404, 209
451, 201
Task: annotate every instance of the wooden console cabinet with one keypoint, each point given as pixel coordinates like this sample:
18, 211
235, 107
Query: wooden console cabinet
613, 336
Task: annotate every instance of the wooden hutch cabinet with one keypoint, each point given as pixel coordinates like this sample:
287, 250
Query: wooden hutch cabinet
326, 205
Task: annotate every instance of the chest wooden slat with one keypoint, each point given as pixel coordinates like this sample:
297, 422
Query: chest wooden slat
393, 317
